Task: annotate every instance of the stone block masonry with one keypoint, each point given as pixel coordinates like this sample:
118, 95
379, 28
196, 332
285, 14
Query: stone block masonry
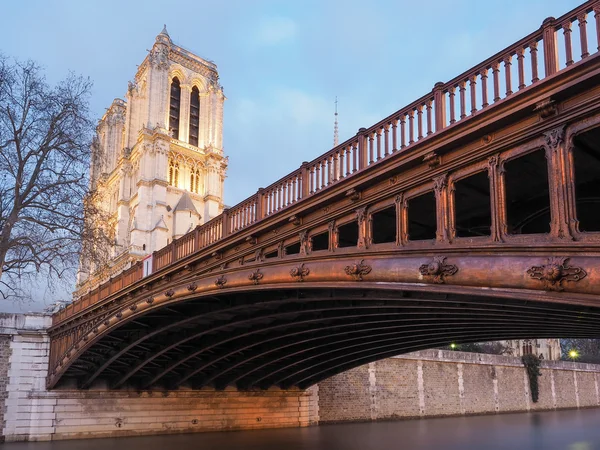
437, 383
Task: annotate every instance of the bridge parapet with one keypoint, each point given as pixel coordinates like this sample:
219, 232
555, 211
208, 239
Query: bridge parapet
462, 98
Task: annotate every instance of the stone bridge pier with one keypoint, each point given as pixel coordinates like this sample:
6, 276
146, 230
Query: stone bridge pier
29, 412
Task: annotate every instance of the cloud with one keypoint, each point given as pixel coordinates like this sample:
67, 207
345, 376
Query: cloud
276, 30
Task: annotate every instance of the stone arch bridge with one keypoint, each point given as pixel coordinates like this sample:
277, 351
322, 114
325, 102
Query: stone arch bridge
471, 214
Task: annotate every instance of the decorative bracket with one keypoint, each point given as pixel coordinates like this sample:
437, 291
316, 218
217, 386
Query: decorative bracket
220, 282
438, 269
170, 293
300, 272
357, 271
556, 272
432, 159
295, 220
192, 287
353, 194
546, 108
252, 240
255, 276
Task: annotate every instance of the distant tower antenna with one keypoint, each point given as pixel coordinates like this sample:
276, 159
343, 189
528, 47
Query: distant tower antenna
335, 126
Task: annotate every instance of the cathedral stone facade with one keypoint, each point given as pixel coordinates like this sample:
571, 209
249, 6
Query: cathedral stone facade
158, 159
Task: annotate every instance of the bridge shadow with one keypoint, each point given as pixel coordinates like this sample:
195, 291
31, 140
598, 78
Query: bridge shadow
300, 336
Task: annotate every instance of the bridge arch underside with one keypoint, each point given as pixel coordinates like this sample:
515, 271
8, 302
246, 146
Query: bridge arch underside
299, 336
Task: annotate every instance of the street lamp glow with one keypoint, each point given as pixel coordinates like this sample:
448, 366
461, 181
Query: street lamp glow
573, 354
453, 346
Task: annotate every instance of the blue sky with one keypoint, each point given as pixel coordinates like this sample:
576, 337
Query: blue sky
281, 63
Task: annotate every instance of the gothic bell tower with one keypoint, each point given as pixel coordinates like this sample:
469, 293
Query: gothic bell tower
158, 158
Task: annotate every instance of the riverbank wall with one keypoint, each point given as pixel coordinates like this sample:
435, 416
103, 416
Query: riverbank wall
435, 383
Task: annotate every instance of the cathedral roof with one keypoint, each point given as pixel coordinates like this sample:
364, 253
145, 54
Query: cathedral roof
185, 204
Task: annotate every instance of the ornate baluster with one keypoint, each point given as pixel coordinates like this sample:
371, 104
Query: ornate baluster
348, 157
371, 153
496, 74
402, 131
335, 166
394, 136
420, 122
330, 170
583, 35
521, 65
568, 46
429, 120
507, 64
317, 176
451, 94
461, 89
411, 126
312, 180
386, 140
473, 86
484, 91
294, 191
278, 197
355, 154
534, 61
378, 133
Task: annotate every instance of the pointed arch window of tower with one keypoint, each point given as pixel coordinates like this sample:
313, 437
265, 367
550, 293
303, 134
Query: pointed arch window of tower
194, 116
175, 103
194, 181
173, 173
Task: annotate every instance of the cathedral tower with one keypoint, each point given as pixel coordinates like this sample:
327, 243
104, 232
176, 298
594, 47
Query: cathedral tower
158, 158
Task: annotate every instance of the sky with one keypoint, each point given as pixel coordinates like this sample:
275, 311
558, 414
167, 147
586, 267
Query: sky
281, 63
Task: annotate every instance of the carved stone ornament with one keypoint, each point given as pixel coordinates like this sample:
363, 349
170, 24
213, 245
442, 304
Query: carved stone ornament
438, 269
357, 271
170, 293
159, 56
554, 138
150, 300
546, 108
353, 194
556, 272
295, 220
361, 215
133, 307
192, 286
432, 159
255, 276
220, 282
300, 272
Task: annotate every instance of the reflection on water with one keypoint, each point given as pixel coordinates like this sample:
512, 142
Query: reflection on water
564, 430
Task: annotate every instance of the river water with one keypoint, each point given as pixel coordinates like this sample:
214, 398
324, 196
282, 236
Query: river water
564, 430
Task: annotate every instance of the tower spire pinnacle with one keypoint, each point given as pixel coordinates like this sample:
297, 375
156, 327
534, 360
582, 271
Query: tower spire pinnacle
335, 125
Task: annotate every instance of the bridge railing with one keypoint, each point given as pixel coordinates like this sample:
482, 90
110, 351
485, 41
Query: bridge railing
538, 55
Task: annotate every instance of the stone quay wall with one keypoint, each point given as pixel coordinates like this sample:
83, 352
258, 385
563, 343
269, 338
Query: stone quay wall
31, 413
436, 383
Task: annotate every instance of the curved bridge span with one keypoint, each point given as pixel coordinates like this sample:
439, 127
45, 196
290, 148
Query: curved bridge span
472, 214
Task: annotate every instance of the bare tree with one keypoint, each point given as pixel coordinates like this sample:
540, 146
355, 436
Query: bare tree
45, 136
